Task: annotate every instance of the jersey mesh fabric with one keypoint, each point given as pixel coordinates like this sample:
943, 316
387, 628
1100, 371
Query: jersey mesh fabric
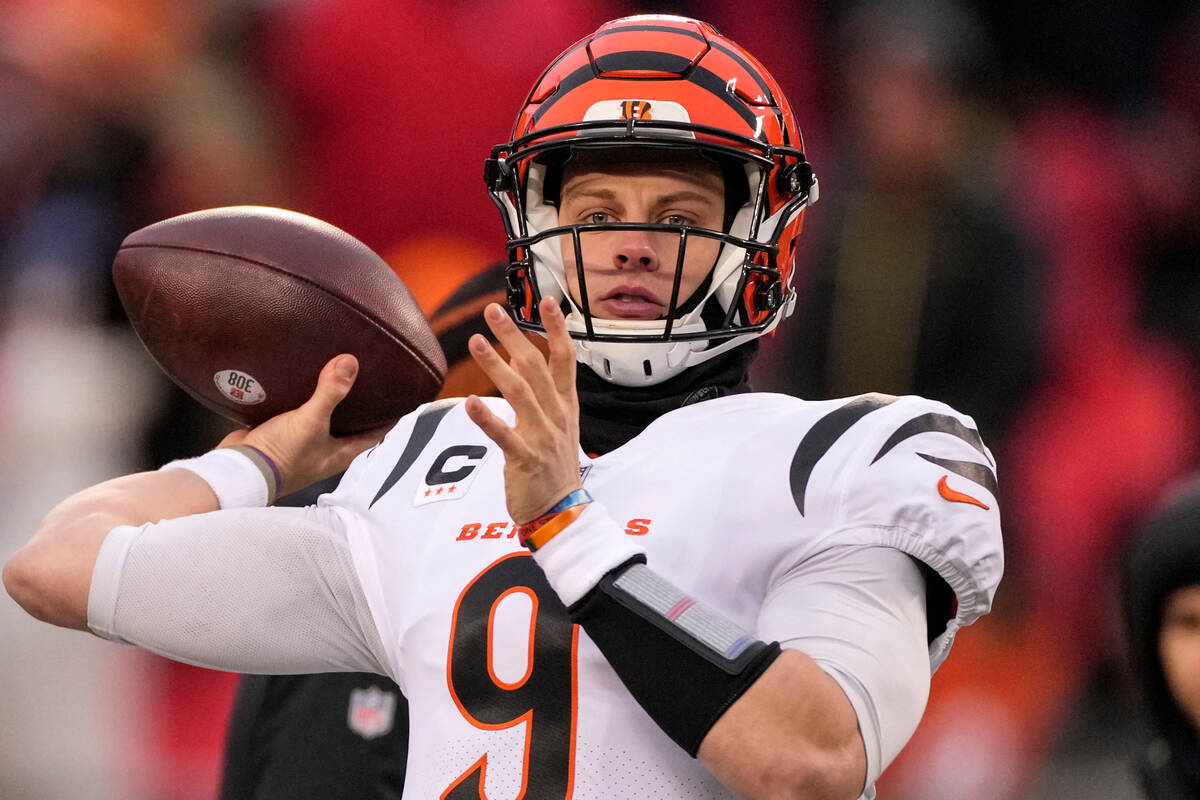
281, 601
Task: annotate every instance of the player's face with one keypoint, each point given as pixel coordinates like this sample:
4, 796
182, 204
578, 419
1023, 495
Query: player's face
630, 273
1179, 648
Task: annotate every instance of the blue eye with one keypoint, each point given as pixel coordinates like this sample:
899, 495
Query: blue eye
676, 219
598, 216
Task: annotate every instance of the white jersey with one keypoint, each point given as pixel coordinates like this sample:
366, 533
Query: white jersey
738, 501
726, 496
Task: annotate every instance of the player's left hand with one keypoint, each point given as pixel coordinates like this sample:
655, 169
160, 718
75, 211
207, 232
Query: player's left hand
541, 451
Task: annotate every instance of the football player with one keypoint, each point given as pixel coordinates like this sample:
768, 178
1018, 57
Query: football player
631, 576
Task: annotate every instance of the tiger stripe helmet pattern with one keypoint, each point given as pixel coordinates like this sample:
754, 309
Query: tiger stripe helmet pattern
668, 83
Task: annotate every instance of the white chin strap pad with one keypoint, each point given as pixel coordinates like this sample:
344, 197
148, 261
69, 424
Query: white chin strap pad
643, 363
631, 363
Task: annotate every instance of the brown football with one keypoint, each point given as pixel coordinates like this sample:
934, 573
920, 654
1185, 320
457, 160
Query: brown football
242, 306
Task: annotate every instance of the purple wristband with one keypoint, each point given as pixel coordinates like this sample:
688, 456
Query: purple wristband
271, 464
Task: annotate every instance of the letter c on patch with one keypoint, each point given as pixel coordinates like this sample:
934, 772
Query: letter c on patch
438, 472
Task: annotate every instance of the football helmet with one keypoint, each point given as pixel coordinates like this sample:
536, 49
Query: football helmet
643, 88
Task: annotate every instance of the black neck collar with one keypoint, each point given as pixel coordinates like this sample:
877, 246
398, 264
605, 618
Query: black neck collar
611, 415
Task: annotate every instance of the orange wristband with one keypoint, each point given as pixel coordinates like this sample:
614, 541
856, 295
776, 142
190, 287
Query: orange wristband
548, 531
578, 498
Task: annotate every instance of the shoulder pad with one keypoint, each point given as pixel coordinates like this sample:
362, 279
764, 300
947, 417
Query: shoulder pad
913, 474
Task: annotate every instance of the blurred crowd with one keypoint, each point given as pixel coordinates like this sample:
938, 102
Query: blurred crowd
1009, 222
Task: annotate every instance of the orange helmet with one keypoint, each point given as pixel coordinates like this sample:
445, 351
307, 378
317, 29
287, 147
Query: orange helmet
643, 86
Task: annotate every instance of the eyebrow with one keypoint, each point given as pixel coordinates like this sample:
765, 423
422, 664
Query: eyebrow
682, 195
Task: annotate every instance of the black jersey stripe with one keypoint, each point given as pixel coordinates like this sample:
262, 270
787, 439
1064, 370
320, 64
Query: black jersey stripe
933, 423
309, 494
972, 471
423, 430
822, 436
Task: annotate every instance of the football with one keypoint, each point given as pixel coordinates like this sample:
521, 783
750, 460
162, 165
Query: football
242, 307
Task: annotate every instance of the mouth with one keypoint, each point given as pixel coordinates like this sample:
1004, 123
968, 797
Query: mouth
632, 302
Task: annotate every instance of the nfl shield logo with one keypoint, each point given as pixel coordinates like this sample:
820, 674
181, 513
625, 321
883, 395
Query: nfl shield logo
372, 712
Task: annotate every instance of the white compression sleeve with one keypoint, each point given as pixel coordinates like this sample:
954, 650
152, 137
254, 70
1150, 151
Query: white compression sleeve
859, 613
265, 590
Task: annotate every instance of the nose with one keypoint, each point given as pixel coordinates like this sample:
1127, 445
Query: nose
633, 250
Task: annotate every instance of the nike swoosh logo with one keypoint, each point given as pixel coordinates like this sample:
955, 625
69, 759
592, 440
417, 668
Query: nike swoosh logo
957, 497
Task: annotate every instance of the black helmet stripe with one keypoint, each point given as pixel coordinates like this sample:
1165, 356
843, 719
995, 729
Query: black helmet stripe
648, 60
717, 86
569, 82
644, 59
687, 31
762, 84
682, 31
750, 70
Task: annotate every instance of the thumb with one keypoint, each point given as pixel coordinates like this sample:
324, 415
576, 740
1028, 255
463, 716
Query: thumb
333, 384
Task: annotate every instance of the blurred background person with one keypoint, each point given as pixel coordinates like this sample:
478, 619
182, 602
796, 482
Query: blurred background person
919, 282
1163, 624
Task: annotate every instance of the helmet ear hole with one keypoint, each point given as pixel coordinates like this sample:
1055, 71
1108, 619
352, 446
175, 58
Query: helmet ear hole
794, 179
763, 296
768, 296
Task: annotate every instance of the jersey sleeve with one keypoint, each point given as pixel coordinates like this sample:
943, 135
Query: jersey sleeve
265, 590
859, 613
918, 478
374, 527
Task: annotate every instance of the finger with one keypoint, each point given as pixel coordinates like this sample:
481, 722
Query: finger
333, 384
513, 386
506, 438
562, 349
525, 359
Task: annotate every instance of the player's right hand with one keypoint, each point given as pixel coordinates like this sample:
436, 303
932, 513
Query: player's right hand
299, 441
541, 451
